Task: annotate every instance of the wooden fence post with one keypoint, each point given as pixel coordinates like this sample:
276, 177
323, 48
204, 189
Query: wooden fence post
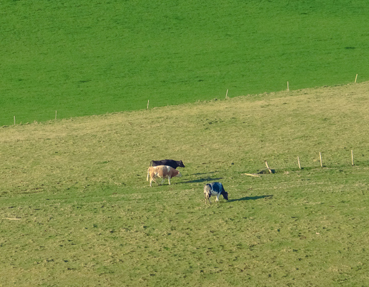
352, 157
266, 164
321, 161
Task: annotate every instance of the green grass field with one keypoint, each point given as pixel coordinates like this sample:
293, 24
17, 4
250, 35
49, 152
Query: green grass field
76, 209
95, 57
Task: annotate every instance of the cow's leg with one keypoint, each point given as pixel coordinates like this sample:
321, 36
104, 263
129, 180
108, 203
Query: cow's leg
169, 180
217, 197
207, 198
152, 179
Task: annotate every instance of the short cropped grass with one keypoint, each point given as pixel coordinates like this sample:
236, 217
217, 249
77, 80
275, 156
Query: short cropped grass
76, 209
94, 57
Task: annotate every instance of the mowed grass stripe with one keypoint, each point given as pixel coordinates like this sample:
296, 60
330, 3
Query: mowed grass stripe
92, 58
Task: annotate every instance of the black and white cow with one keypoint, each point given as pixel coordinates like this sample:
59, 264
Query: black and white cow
168, 162
216, 189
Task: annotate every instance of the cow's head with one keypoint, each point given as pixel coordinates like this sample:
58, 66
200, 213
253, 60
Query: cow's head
180, 163
225, 194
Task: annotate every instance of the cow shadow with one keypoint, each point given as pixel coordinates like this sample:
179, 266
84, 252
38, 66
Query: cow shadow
208, 179
202, 173
250, 198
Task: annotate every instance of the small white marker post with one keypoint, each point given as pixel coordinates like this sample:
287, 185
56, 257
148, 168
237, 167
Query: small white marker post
226, 94
321, 161
288, 86
356, 78
352, 157
148, 101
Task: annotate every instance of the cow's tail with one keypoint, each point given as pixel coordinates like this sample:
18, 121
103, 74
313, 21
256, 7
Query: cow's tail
207, 191
148, 174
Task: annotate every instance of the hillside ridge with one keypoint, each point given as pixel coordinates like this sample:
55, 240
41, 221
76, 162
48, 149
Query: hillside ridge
190, 108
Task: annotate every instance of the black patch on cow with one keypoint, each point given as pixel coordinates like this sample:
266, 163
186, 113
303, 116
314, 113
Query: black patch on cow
169, 162
225, 194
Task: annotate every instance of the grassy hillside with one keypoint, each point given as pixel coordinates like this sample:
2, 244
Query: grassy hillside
94, 57
76, 209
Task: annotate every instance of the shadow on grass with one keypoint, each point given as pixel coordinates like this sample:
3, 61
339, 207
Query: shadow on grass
208, 179
202, 173
251, 198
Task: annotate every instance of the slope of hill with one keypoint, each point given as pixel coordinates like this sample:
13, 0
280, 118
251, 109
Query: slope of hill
75, 207
91, 57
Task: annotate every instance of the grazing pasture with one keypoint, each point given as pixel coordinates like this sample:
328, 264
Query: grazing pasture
76, 209
94, 57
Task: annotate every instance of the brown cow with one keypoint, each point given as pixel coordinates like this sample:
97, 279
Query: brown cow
162, 171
